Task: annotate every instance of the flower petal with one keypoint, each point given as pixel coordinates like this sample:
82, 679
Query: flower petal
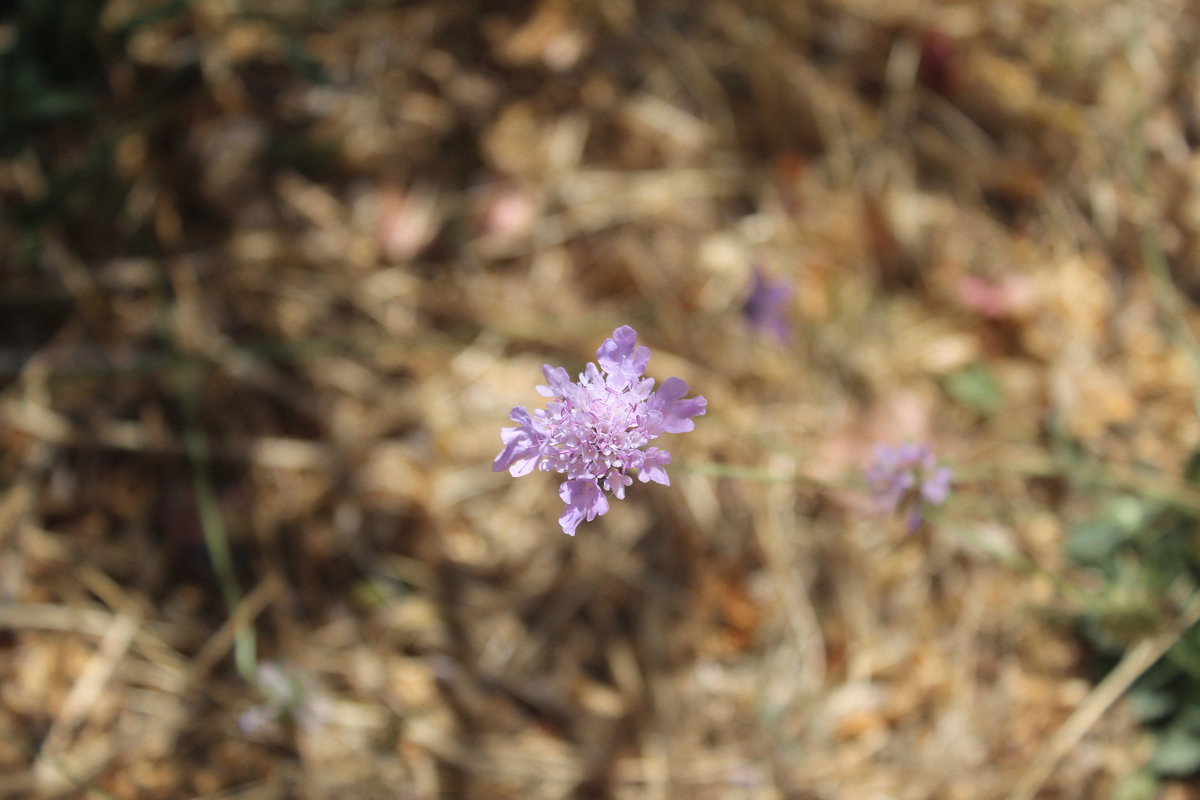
766, 306
936, 487
616, 482
620, 356
558, 381
676, 413
584, 501
522, 445
913, 518
652, 467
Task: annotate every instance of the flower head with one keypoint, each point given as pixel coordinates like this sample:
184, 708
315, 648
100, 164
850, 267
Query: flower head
595, 431
907, 475
766, 304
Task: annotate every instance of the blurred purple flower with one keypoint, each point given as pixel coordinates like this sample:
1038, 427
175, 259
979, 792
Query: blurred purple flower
593, 431
907, 476
765, 306
286, 698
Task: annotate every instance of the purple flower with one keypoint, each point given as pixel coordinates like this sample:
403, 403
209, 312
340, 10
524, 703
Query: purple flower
594, 431
286, 697
765, 306
907, 475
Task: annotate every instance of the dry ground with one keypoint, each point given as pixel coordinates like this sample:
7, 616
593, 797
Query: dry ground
337, 243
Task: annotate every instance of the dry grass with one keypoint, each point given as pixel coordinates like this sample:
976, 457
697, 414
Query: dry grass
304, 332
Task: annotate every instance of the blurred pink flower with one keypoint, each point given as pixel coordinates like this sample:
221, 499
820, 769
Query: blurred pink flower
1004, 298
409, 221
505, 212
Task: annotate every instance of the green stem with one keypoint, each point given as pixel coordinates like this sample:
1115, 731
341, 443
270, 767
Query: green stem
757, 474
216, 536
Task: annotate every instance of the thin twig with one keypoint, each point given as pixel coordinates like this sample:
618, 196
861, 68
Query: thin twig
1132, 666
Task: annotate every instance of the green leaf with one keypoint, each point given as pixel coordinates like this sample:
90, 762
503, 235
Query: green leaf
1149, 705
1186, 655
1126, 512
1140, 785
371, 593
976, 388
1094, 542
1191, 472
1176, 754
1188, 720
55, 104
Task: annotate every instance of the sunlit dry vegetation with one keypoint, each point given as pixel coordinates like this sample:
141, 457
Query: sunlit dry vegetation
273, 275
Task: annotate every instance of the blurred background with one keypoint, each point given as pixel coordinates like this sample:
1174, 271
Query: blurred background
272, 276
